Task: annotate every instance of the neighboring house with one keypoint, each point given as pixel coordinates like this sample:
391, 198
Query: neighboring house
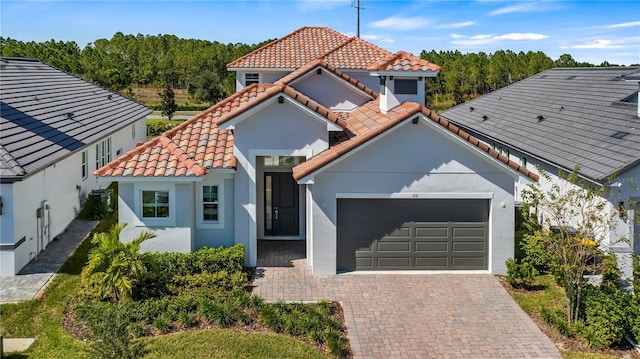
55, 130
567, 117
371, 181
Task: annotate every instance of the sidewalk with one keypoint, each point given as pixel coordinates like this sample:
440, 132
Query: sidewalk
35, 275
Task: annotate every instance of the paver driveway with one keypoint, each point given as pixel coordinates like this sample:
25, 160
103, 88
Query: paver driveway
410, 315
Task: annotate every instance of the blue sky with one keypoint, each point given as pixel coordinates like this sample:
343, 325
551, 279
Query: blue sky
591, 31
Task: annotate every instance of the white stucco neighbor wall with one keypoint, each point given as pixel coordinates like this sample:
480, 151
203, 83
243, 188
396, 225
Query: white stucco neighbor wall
61, 187
413, 161
279, 129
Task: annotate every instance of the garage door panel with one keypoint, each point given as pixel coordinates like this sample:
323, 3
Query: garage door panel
431, 246
412, 234
464, 246
394, 246
432, 262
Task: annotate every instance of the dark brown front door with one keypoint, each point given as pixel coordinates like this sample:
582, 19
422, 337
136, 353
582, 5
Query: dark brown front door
281, 205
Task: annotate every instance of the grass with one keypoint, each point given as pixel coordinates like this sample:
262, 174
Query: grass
219, 343
42, 319
149, 96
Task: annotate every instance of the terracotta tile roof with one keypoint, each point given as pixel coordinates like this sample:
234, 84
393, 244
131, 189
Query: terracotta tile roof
356, 54
368, 122
311, 43
198, 144
313, 65
404, 61
293, 50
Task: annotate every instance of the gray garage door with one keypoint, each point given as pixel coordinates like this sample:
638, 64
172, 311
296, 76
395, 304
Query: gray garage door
426, 234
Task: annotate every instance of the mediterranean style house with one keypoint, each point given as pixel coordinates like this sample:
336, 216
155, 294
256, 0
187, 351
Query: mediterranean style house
567, 117
55, 130
327, 140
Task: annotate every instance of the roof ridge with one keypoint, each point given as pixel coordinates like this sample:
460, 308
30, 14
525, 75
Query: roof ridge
325, 64
182, 155
279, 40
314, 105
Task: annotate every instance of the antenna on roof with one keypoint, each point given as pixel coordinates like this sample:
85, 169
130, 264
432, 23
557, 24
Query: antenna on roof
358, 6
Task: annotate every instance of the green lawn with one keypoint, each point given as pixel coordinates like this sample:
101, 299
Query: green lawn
42, 319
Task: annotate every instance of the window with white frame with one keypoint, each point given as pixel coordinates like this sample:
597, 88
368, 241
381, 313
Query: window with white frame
155, 204
250, 79
84, 161
103, 152
133, 131
210, 204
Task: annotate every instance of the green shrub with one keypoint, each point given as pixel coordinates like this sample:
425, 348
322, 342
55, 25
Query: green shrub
163, 323
633, 315
636, 272
520, 274
108, 323
221, 314
610, 271
558, 319
604, 316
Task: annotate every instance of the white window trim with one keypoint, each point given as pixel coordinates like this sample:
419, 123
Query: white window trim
84, 166
200, 223
137, 202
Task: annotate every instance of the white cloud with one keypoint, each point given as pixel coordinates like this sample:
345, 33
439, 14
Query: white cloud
525, 7
598, 44
402, 23
457, 25
624, 24
457, 36
485, 39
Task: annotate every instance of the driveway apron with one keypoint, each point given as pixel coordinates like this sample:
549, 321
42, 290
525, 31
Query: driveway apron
416, 315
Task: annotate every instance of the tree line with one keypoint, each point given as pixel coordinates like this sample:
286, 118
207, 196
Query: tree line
142, 60
199, 66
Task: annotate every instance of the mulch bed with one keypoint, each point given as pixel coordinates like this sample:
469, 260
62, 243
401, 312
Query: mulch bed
574, 344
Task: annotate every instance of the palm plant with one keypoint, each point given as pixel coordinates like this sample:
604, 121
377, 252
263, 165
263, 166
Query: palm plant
113, 266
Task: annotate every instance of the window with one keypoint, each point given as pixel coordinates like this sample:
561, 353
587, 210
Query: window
283, 161
85, 171
103, 153
210, 203
155, 204
133, 131
523, 161
250, 79
406, 87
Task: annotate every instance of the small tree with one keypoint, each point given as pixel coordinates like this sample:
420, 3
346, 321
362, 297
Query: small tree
113, 265
572, 219
168, 104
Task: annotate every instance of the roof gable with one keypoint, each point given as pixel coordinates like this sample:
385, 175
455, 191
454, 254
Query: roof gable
47, 114
566, 117
403, 62
367, 123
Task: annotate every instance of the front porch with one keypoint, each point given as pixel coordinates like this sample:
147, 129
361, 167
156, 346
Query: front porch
280, 253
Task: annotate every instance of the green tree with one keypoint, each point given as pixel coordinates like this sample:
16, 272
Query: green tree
572, 219
168, 104
113, 265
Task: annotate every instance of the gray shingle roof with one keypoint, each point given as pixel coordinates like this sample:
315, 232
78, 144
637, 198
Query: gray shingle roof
580, 108
47, 114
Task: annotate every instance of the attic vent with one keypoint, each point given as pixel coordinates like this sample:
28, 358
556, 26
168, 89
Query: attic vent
620, 134
485, 117
319, 71
540, 118
20, 67
109, 96
69, 115
571, 77
542, 76
471, 108
617, 78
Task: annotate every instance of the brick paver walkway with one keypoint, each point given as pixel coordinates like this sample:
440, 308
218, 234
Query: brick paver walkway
35, 275
410, 315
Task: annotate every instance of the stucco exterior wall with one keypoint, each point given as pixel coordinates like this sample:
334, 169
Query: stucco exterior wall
278, 129
331, 92
414, 161
63, 188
